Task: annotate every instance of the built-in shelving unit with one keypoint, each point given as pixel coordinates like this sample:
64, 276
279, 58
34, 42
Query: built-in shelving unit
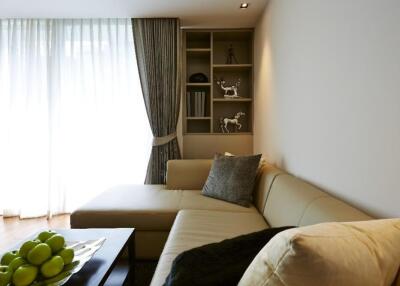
206, 52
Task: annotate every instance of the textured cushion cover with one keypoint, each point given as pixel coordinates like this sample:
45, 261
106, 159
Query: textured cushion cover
355, 253
232, 178
221, 263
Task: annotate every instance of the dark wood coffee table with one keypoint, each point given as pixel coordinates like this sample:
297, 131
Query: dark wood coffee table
107, 266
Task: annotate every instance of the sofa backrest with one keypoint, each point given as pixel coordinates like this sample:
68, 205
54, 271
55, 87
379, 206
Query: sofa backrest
285, 200
187, 174
282, 198
265, 177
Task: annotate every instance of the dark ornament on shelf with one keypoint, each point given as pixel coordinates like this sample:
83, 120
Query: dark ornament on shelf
231, 58
198, 78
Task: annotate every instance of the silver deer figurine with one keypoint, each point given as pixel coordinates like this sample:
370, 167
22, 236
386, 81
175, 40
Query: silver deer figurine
230, 91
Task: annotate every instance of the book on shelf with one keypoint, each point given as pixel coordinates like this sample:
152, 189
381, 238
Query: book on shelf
202, 103
196, 104
188, 104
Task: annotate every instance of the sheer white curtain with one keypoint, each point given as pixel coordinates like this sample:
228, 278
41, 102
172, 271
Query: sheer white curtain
72, 117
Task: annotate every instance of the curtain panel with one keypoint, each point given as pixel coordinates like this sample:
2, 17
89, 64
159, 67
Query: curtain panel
71, 113
157, 46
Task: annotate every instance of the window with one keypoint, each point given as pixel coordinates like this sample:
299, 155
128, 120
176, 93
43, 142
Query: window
72, 117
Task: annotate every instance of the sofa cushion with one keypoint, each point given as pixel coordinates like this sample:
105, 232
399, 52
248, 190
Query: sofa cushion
356, 253
219, 263
193, 228
196, 201
232, 178
144, 207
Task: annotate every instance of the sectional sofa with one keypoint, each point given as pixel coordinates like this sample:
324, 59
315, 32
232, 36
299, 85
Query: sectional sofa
175, 217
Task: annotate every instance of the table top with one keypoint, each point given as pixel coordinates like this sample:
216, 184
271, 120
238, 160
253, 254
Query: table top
96, 270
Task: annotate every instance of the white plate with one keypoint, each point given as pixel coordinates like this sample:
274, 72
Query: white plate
84, 251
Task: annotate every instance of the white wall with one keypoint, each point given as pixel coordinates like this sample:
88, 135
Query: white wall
196, 14
327, 103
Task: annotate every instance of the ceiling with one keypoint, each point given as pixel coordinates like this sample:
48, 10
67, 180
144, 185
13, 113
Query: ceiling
193, 13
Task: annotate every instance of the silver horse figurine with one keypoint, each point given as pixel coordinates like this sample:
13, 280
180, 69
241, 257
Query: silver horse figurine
235, 121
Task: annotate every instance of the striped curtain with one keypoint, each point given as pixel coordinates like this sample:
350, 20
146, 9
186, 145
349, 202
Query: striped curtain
157, 45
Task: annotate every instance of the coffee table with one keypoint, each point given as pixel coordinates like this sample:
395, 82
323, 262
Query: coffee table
107, 266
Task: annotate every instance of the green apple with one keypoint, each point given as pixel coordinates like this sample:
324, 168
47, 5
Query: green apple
5, 275
52, 267
9, 256
17, 262
27, 246
24, 275
67, 254
39, 254
56, 243
71, 266
45, 235
53, 280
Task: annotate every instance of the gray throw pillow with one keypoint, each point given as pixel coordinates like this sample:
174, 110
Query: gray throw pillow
232, 178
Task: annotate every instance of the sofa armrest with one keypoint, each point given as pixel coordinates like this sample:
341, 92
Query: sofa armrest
187, 174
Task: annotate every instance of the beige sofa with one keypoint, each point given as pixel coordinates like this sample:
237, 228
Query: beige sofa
175, 217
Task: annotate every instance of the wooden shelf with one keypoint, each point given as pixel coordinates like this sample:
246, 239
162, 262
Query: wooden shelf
198, 133
232, 67
198, 84
198, 50
198, 118
243, 99
218, 133
233, 133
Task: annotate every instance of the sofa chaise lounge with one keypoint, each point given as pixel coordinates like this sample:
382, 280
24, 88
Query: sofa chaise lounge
175, 217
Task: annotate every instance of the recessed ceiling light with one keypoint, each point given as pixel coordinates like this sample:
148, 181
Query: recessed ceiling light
244, 5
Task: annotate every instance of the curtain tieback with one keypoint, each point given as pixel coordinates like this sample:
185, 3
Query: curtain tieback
158, 141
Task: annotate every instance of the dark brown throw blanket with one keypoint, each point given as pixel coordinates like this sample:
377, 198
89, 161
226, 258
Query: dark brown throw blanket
222, 263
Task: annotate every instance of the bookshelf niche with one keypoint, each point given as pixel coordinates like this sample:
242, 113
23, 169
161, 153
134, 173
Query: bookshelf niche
206, 52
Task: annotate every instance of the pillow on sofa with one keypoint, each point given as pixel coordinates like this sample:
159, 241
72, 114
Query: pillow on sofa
355, 253
221, 263
231, 178
261, 164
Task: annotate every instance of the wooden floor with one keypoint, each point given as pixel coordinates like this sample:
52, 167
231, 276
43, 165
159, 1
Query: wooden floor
14, 229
